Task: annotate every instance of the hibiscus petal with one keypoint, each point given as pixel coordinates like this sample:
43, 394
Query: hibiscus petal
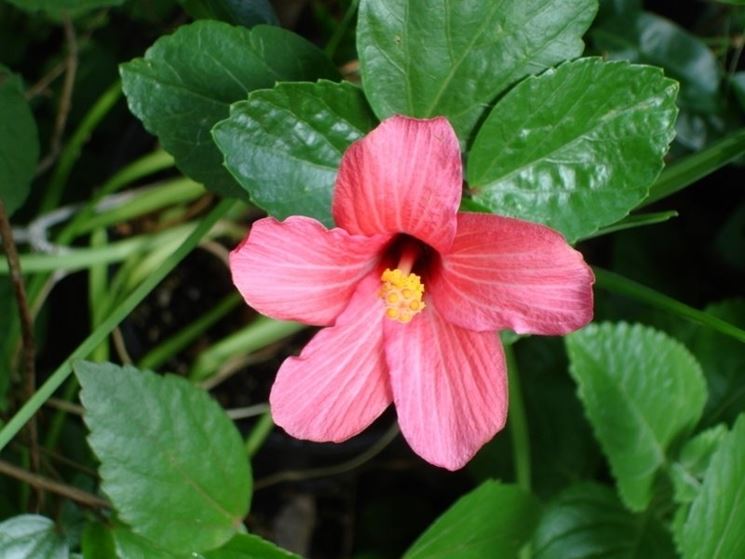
338, 385
299, 270
404, 177
449, 387
508, 273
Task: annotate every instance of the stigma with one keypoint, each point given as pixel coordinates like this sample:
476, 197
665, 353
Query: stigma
402, 294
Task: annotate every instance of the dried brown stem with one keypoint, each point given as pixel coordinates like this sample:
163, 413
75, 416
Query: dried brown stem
65, 102
27, 335
41, 483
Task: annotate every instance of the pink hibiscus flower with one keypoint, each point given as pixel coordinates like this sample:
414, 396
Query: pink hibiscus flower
412, 293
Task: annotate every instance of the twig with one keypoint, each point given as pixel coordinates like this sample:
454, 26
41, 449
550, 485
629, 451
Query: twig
39, 87
310, 473
39, 482
65, 102
27, 335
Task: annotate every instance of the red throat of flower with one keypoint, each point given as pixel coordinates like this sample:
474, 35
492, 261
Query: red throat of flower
402, 290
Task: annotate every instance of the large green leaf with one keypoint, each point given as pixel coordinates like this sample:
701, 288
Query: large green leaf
187, 81
641, 390
248, 546
19, 142
167, 451
132, 546
647, 38
577, 147
284, 145
493, 520
715, 528
30, 536
437, 57
587, 521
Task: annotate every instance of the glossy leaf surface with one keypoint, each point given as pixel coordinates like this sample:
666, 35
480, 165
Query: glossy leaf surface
167, 450
423, 58
641, 390
248, 546
19, 142
714, 528
30, 536
462, 531
186, 82
575, 148
284, 145
587, 521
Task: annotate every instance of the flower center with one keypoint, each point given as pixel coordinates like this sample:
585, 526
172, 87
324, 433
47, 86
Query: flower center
402, 291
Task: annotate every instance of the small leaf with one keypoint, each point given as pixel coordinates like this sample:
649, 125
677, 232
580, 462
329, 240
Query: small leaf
187, 81
30, 536
248, 546
587, 521
167, 451
641, 390
454, 58
493, 520
715, 528
688, 472
19, 142
284, 145
647, 38
575, 148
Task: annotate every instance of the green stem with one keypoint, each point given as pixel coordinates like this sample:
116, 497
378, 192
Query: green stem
81, 258
112, 321
258, 434
688, 170
341, 29
616, 283
71, 152
144, 201
97, 291
518, 423
170, 347
260, 333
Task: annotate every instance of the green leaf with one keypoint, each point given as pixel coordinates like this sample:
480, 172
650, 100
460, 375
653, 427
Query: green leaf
650, 39
187, 81
587, 521
688, 472
248, 546
715, 528
19, 142
723, 361
284, 145
97, 542
423, 58
641, 390
30, 536
493, 520
167, 451
132, 546
738, 84
575, 148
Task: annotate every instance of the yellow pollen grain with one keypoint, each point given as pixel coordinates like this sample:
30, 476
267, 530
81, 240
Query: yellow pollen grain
402, 295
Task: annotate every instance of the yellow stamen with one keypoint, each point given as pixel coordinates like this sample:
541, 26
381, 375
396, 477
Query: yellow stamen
402, 294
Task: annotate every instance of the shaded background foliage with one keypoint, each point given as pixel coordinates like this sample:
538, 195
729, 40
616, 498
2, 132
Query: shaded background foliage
379, 507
